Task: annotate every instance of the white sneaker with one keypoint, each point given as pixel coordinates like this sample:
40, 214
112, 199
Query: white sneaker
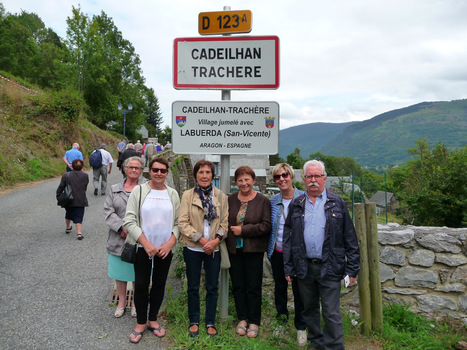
301, 338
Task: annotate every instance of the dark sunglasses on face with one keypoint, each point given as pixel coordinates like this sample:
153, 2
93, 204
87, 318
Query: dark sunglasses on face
278, 176
156, 170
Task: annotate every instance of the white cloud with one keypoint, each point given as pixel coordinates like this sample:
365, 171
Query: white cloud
340, 60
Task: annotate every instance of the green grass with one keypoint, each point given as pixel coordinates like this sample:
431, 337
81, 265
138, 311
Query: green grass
402, 329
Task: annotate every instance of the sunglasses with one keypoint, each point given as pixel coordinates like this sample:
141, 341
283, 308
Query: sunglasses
156, 170
278, 176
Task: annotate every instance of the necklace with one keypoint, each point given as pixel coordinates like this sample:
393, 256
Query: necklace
247, 198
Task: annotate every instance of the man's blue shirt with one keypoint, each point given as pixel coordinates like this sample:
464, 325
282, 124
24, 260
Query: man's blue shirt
315, 223
73, 154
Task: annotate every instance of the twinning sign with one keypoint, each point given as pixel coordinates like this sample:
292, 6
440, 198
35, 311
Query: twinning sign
226, 63
225, 127
244, 62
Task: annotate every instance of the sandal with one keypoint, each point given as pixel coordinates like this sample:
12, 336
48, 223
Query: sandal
68, 230
80, 236
193, 333
119, 312
211, 326
241, 328
133, 311
252, 331
158, 329
136, 334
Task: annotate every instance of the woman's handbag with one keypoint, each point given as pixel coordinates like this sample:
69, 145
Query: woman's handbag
129, 253
225, 261
66, 196
129, 250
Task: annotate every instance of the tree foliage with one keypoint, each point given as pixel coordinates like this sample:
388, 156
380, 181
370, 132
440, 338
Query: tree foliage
432, 187
94, 59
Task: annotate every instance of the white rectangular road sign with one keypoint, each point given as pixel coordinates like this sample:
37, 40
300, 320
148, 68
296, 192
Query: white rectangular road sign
225, 127
240, 62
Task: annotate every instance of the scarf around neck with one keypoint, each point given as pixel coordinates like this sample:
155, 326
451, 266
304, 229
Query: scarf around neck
206, 194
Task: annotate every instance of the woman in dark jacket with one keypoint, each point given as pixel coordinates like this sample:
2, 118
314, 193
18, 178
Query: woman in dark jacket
78, 181
247, 240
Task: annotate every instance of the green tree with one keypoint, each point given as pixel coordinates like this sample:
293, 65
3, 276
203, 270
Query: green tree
275, 159
295, 160
432, 187
165, 135
152, 112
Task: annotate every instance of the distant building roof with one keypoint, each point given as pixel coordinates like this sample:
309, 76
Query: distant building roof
378, 198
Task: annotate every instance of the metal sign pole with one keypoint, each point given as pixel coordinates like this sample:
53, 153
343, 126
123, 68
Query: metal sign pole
225, 187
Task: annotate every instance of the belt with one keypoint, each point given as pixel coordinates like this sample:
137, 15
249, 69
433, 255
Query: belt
314, 261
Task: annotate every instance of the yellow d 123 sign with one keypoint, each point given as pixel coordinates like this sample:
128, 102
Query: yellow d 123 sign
224, 22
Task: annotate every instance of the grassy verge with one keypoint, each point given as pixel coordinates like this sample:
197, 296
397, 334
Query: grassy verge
402, 329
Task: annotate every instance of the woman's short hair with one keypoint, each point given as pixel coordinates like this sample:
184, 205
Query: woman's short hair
202, 163
77, 164
161, 160
278, 169
128, 160
244, 169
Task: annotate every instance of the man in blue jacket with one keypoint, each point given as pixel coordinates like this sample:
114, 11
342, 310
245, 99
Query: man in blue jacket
320, 249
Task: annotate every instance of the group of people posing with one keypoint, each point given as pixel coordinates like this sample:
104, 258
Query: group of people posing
308, 236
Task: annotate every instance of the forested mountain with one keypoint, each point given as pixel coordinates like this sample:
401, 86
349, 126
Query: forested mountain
384, 139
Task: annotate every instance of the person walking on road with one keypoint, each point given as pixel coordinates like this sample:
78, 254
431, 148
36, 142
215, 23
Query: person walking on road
150, 151
101, 172
114, 209
71, 155
74, 211
152, 221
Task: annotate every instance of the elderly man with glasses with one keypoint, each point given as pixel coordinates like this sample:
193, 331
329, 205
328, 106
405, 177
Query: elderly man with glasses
320, 249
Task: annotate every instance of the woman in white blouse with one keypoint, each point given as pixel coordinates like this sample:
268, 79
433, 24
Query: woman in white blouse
152, 221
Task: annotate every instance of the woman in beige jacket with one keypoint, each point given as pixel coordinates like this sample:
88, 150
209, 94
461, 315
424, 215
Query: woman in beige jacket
203, 224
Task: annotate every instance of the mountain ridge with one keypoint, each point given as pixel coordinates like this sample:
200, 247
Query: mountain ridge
384, 139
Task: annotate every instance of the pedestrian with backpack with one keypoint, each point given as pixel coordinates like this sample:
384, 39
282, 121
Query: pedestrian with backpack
100, 160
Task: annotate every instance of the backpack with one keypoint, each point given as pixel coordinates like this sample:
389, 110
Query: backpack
95, 160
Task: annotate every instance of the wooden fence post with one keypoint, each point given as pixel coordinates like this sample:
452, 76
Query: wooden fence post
363, 276
373, 261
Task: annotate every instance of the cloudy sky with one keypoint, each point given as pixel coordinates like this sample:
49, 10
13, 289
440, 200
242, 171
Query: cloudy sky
340, 60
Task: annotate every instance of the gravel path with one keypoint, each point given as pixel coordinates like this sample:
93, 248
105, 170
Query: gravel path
54, 289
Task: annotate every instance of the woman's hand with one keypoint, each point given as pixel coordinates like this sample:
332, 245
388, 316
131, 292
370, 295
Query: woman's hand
150, 249
237, 230
124, 233
166, 248
210, 246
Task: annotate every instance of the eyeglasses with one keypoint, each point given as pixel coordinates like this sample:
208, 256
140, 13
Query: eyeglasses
278, 176
317, 177
133, 168
156, 170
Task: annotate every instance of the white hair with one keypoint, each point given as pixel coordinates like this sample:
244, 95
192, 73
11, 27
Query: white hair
314, 162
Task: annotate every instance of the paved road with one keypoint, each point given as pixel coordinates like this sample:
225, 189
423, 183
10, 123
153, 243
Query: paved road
54, 289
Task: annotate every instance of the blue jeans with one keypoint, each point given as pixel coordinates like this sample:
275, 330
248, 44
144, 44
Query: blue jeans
212, 265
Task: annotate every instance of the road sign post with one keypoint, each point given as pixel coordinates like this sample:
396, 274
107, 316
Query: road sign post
242, 62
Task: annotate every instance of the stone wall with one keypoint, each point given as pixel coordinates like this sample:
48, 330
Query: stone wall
424, 267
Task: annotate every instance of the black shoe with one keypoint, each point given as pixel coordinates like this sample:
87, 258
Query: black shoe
102, 194
95, 191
